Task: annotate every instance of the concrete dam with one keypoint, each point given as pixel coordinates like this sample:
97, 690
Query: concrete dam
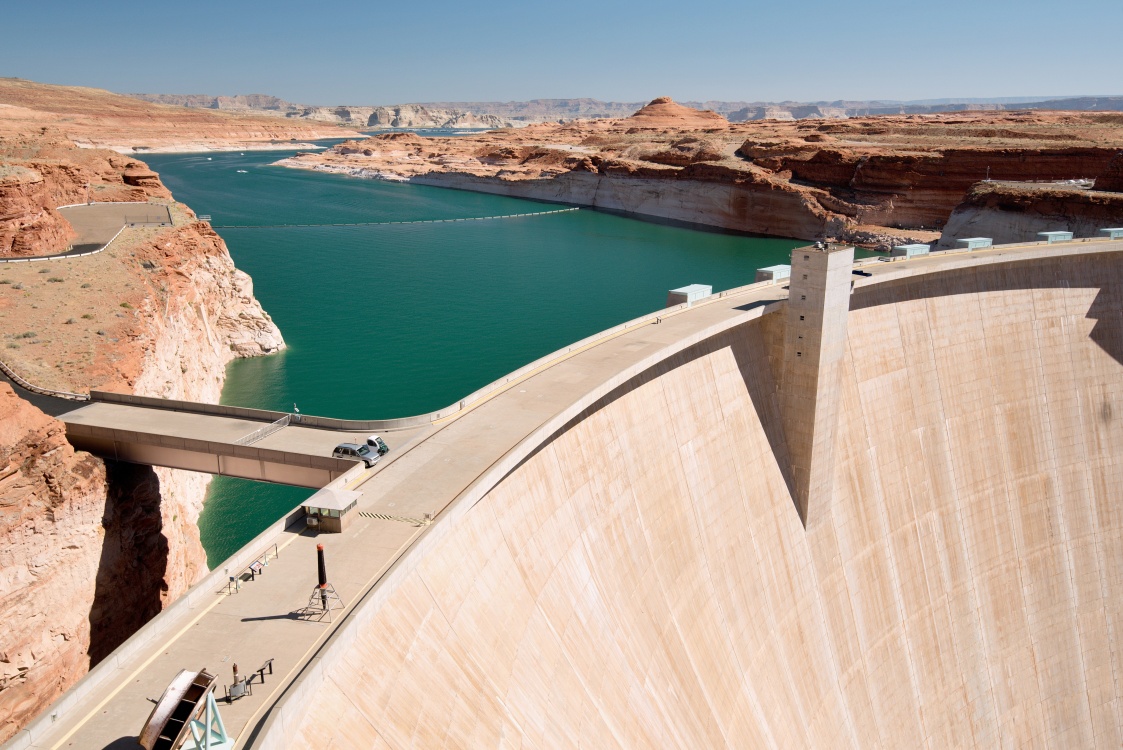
641, 578
660, 555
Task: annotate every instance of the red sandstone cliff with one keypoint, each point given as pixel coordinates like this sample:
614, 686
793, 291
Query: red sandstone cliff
90, 550
1009, 212
83, 559
873, 180
49, 172
1111, 178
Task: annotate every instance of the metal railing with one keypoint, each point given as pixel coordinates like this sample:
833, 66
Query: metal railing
28, 386
234, 582
263, 432
63, 256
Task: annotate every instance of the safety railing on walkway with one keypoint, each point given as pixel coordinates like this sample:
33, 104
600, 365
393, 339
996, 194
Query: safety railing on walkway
28, 386
253, 568
63, 256
263, 432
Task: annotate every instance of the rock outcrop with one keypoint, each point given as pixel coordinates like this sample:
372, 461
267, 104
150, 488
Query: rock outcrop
1111, 178
28, 222
84, 559
49, 172
876, 180
91, 550
1008, 212
419, 116
663, 112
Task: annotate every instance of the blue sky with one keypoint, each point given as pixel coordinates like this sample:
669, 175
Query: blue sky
431, 50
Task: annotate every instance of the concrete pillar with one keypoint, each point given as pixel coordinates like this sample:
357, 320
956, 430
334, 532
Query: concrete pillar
814, 346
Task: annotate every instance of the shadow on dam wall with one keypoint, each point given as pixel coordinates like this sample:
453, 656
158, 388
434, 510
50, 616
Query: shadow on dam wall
643, 580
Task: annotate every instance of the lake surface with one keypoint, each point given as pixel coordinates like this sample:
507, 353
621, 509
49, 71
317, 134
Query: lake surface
398, 319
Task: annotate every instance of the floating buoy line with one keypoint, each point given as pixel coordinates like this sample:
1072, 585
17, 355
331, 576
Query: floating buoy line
388, 223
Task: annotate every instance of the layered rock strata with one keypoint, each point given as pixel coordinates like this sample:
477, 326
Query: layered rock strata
90, 550
1111, 178
100, 119
875, 181
41, 172
1010, 212
564, 110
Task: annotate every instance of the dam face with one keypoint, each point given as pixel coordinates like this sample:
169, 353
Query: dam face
643, 578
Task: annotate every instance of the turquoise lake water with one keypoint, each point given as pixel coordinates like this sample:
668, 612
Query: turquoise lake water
393, 320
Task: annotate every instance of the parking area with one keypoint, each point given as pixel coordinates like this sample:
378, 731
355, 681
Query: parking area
97, 223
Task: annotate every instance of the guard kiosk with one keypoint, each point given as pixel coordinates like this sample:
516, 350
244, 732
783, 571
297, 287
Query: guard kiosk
331, 509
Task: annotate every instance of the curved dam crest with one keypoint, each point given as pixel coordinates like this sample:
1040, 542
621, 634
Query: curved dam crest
641, 578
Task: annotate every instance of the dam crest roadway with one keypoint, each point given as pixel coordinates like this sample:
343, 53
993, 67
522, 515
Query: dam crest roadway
441, 465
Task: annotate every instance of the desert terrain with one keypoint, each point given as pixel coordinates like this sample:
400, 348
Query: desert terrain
873, 181
97, 118
160, 311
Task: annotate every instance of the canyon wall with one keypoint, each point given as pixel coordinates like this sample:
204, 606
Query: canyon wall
51, 172
642, 578
742, 205
908, 190
1016, 213
91, 550
874, 181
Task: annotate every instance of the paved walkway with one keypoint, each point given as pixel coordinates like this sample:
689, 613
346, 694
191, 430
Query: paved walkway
97, 224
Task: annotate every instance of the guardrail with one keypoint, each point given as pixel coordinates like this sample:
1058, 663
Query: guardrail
362, 425
234, 584
28, 386
264, 432
63, 256
102, 203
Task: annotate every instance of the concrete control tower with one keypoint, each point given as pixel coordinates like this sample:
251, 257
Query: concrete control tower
814, 345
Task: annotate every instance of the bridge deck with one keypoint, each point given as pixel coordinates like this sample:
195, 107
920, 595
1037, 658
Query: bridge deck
295, 454
259, 623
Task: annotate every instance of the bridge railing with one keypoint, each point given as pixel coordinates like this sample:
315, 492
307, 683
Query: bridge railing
263, 432
360, 425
